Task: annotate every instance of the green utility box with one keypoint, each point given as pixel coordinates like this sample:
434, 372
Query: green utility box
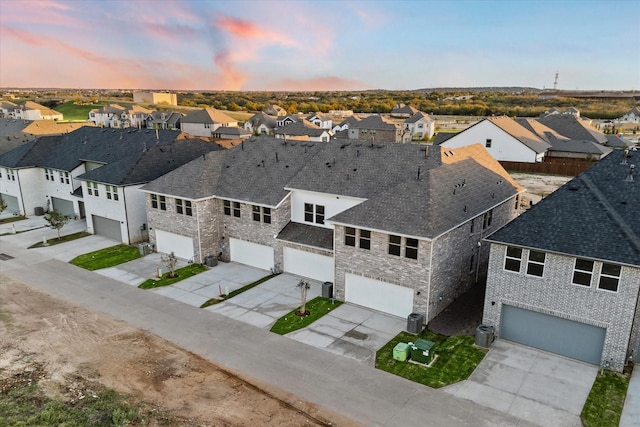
422, 351
401, 351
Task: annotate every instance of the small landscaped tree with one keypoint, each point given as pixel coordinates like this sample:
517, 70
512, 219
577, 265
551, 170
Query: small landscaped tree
304, 288
56, 220
170, 261
3, 205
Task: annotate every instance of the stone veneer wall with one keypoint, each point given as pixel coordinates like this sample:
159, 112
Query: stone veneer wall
554, 294
377, 264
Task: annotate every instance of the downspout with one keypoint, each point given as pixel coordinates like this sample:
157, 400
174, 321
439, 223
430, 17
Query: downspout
126, 215
198, 228
24, 209
430, 276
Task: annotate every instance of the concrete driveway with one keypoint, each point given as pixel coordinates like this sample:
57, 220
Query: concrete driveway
536, 386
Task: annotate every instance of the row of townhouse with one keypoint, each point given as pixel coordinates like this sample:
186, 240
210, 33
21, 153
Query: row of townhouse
531, 140
28, 110
395, 227
95, 174
565, 275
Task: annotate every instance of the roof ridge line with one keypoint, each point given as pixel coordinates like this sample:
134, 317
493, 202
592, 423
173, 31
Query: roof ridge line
633, 238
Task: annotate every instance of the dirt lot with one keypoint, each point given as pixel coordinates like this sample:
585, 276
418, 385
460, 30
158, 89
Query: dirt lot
75, 350
539, 186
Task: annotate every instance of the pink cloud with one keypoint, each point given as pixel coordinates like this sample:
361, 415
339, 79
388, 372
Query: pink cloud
248, 30
38, 12
171, 32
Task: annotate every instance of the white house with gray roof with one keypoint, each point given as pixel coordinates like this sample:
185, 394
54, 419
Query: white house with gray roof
260, 124
420, 125
204, 122
565, 275
395, 227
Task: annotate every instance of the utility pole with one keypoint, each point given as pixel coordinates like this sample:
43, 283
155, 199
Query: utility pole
555, 82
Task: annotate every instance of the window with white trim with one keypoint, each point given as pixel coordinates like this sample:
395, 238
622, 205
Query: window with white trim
236, 209
314, 213
227, 207
582, 272
64, 177
112, 192
609, 277
183, 207
487, 218
535, 264
487, 143
513, 259
395, 243
48, 174
411, 248
350, 236
365, 239
92, 189
163, 203
154, 201
262, 214
11, 174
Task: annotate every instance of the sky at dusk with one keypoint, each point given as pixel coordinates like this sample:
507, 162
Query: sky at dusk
319, 45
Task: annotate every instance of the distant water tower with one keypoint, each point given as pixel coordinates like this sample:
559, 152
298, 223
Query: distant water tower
555, 82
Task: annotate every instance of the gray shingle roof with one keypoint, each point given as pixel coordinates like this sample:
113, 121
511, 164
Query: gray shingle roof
374, 122
573, 127
307, 235
207, 115
575, 146
300, 128
262, 118
595, 215
521, 133
416, 117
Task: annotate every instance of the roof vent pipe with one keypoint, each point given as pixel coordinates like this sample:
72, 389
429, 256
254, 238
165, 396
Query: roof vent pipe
624, 158
418, 173
629, 177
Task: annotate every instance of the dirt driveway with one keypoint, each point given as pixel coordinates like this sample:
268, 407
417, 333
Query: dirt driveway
79, 350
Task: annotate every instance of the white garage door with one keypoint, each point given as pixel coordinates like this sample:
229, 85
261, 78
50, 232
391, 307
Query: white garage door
381, 296
307, 264
107, 227
252, 254
65, 207
181, 246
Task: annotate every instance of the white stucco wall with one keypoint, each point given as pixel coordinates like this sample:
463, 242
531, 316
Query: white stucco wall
333, 205
101, 206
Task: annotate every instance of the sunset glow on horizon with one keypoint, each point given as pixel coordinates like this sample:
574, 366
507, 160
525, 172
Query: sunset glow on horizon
318, 46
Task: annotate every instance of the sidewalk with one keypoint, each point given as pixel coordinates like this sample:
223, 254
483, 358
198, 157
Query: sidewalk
631, 411
362, 393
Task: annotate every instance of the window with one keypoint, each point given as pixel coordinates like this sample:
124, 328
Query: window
350, 236
256, 213
472, 226
319, 214
487, 143
64, 177
513, 259
227, 207
112, 192
365, 239
582, 272
11, 174
179, 206
184, 207
486, 219
308, 212
411, 248
163, 203
266, 215
48, 174
236, 209
207, 125
92, 189
394, 245
154, 201
609, 277
517, 201
535, 266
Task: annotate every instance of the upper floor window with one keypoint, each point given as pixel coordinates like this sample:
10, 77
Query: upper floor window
350, 236
227, 207
92, 188
11, 175
535, 265
609, 277
158, 202
163, 203
487, 143
262, 214
582, 272
411, 248
395, 242
154, 201
48, 174
207, 125
365, 239
314, 213
472, 226
183, 207
513, 259
112, 192
487, 218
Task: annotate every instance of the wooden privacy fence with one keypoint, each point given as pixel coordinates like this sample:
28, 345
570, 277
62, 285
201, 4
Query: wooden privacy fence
551, 166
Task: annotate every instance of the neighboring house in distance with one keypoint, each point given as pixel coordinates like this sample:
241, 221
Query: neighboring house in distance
17, 132
341, 113
403, 111
421, 126
633, 116
565, 276
346, 124
28, 110
260, 124
205, 122
376, 128
275, 110
302, 128
134, 117
164, 120
107, 116
323, 121
226, 132
580, 129
282, 121
325, 211
504, 139
94, 173
155, 98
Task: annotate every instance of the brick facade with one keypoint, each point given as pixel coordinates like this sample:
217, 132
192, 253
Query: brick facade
554, 294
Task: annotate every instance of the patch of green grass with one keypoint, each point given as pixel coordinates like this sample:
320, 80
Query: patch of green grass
62, 239
232, 294
73, 111
317, 308
12, 219
181, 274
605, 401
107, 257
457, 358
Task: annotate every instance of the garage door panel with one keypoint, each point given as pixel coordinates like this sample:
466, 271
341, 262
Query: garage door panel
106, 227
253, 254
181, 246
550, 333
378, 295
65, 207
308, 264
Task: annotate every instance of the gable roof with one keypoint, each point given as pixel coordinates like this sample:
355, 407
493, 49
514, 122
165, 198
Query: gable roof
595, 215
403, 109
260, 118
301, 128
207, 115
573, 127
349, 121
110, 109
417, 117
521, 133
450, 188
376, 122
